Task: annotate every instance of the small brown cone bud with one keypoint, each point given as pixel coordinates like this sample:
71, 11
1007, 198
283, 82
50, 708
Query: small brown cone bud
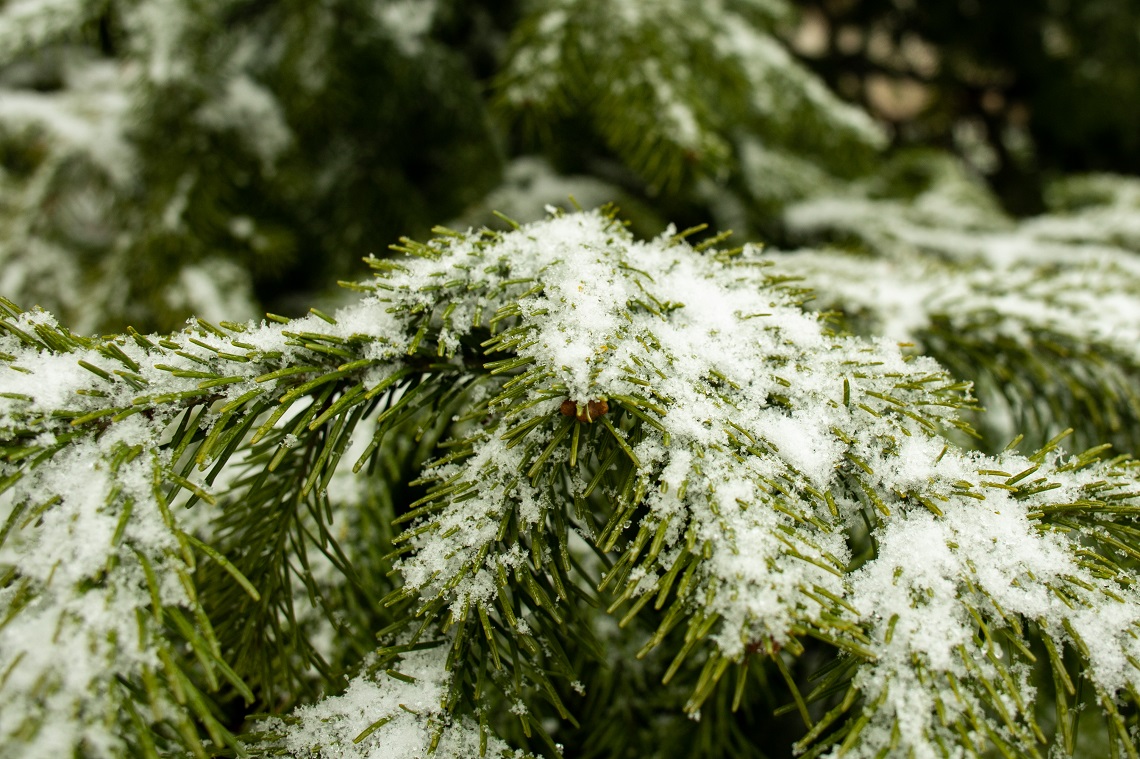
586, 412
593, 410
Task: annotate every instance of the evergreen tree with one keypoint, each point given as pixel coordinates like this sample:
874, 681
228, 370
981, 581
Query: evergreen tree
569, 485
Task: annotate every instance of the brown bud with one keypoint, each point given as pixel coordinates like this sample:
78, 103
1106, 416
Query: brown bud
588, 411
593, 410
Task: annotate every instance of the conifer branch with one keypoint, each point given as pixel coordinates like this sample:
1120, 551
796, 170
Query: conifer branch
628, 66
659, 432
1038, 319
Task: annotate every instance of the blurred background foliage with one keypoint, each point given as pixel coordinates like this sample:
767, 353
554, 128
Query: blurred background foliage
162, 158
1024, 90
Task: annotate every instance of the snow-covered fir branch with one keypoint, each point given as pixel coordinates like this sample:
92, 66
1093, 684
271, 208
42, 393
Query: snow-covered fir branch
652, 428
1041, 314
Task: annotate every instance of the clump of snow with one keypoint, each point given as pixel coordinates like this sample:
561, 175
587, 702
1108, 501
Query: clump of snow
988, 561
81, 156
614, 317
86, 118
389, 718
82, 579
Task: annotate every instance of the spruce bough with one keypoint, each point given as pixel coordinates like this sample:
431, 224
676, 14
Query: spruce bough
523, 459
